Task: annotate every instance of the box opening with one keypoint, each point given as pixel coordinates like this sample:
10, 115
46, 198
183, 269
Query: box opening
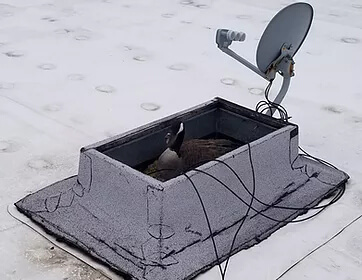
218, 120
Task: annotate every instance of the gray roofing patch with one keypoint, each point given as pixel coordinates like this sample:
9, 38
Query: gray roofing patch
157, 230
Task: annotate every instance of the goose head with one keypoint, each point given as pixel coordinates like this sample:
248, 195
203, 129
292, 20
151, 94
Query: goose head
170, 163
175, 137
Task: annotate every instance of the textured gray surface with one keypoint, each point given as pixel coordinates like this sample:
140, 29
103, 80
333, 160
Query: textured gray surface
154, 230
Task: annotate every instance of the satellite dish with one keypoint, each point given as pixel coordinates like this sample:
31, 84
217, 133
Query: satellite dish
288, 27
279, 43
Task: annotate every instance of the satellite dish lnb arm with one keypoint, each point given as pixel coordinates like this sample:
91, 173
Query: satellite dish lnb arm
283, 64
225, 37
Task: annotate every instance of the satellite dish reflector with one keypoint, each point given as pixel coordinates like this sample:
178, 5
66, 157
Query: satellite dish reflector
289, 27
281, 40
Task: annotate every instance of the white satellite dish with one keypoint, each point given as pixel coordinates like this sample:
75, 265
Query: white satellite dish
279, 43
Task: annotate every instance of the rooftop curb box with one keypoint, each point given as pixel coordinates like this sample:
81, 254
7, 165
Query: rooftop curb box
157, 230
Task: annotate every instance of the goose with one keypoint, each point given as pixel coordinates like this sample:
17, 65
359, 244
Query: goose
181, 156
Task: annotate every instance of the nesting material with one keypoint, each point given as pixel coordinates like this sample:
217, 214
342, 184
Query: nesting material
157, 230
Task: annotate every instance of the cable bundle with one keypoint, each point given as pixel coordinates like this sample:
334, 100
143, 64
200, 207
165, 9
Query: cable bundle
268, 105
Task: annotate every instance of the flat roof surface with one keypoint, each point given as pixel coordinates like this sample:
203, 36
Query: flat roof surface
76, 72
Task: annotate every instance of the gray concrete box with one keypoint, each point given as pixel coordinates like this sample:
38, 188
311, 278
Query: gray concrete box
157, 230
